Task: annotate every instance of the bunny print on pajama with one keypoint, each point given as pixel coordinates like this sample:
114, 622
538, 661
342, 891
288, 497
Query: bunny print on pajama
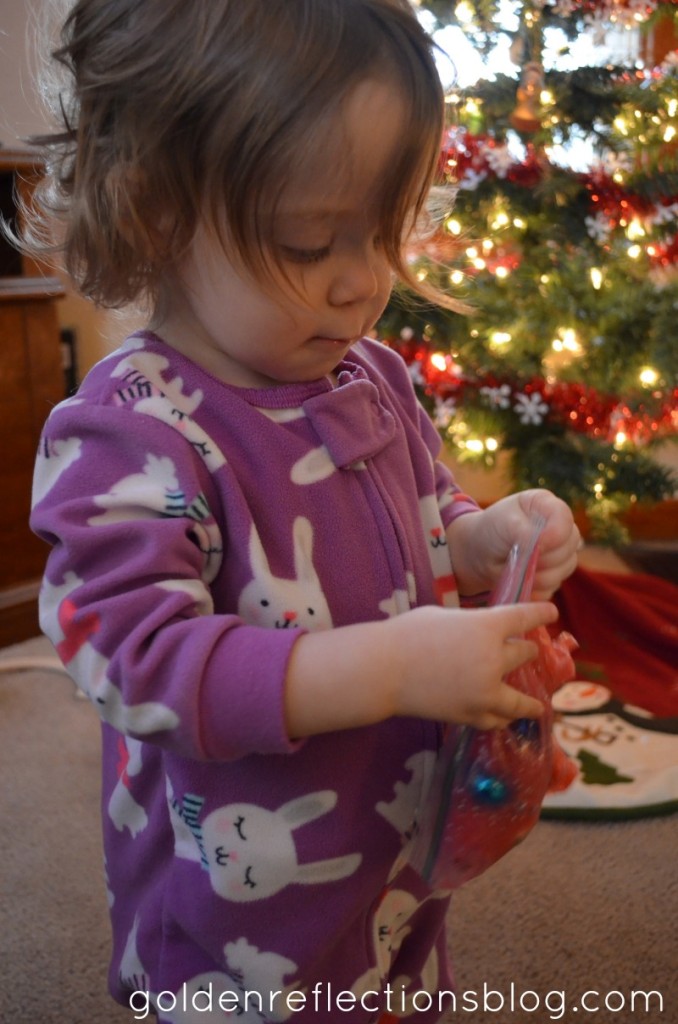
223, 522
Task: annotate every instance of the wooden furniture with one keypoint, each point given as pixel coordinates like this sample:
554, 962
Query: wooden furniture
32, 383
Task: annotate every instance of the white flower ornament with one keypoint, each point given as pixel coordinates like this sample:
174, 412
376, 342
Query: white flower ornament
444, 412
472, 179
598, 227
499, 397
499, 159
530, 408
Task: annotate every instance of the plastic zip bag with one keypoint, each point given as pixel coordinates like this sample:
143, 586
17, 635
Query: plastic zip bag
488, 786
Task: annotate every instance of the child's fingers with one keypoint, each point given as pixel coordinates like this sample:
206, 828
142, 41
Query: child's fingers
557, 559
509, 705
521, 618
555, 566
550, 555
516, 652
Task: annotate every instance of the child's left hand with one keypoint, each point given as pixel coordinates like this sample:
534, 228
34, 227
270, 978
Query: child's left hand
480, 541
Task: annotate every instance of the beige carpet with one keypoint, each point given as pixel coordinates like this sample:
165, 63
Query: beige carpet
577, 907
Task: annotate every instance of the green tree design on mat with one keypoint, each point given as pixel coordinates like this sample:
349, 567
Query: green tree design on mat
597, 773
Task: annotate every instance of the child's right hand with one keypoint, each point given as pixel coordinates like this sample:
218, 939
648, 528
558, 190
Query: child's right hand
452, 663
436, 663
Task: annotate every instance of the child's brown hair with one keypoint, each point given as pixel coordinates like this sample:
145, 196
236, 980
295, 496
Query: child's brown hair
177, 109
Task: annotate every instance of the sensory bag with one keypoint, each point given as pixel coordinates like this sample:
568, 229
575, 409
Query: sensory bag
488, 785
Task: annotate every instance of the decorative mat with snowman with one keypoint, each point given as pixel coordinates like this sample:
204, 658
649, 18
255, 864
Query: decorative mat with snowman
619, 721
627, 759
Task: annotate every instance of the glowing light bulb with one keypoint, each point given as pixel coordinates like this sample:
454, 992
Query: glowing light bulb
475, 445
570, 341
500, 338
439, 361
670, 133
456, 277
648, 376
464, 12
596, 276
453, 226
502, 272
635, 230
634, 251
565, 348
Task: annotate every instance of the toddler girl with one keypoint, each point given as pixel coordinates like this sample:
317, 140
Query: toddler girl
255, 554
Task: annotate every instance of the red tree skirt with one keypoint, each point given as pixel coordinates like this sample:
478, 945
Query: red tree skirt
627, 629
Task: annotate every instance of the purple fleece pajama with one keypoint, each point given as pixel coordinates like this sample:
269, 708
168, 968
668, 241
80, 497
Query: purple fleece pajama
196, 530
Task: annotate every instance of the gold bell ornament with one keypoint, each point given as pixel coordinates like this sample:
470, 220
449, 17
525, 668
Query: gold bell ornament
526, 116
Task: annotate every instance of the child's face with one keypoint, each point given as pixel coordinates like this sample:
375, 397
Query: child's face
326, 237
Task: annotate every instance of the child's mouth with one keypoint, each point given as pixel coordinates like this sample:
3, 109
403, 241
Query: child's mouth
333, 342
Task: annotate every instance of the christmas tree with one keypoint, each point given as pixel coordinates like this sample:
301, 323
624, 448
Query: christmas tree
568, 359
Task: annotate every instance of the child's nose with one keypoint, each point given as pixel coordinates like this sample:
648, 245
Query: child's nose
357, 279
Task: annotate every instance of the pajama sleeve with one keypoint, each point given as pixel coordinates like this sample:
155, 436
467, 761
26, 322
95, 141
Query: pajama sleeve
131, 517
452, 501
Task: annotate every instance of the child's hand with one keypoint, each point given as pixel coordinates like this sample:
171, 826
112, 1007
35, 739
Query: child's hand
452, 663
480, 541
436, 663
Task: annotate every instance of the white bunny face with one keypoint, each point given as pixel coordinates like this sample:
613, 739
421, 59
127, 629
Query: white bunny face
238, 838
276, 603
250, 852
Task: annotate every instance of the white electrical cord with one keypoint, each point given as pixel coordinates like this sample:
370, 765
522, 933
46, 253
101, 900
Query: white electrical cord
37, 664
26, 664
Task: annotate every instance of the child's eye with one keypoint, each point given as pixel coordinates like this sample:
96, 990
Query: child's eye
305, 255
